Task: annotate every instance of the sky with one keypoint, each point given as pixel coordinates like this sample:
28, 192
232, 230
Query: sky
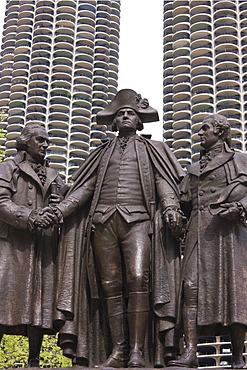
140, 54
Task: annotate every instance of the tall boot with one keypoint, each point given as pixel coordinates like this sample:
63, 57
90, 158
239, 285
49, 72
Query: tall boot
138, 311
238, 332
119, 332
188, 357
35, 338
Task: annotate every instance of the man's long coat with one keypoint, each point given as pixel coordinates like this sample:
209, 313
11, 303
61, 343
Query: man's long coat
79, 293
218, 245
27, 259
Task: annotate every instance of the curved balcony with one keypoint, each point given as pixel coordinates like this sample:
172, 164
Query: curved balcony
63, 39
201, 70
181, 144
229, 95
181, 120
229, 8
35, 118
183, 155
201, 53
230, 113
197, 119
58, 126
180, 70
201, 26
180, 97
229, 76
181, 106
197, 6
43, 17
85, 35
13, 131
36, 101
207, 108
59, 108
197, 20
206, 81
62, 62
201, 44
202, 98
81, 131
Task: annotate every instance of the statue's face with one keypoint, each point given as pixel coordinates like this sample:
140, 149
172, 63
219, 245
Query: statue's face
126, 119
207, 135
38, 144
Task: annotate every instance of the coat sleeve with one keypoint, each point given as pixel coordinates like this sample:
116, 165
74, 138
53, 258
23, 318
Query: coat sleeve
11, 213
166, 194
78, 197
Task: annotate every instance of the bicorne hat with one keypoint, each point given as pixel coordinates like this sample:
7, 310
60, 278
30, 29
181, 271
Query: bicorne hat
127, 98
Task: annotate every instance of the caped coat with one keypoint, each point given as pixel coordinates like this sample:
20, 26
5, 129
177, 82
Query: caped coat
27, 257
79, 294
216, 248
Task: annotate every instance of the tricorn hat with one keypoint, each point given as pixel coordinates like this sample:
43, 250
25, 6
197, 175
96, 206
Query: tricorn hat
127, 98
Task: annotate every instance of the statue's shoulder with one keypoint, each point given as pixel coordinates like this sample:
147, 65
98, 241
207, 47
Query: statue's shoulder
156, 143
240, 157
7, 169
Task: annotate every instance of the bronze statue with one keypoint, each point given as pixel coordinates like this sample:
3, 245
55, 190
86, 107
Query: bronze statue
28, 253
116, 202
214, 275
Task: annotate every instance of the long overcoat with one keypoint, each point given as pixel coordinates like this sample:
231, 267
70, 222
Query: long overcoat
79, 294
27, 258
216, 248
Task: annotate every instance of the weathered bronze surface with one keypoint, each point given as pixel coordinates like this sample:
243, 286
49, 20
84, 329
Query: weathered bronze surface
119, 262
214, 278
27, 252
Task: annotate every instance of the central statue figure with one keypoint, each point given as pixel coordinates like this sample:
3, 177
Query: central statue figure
123, 188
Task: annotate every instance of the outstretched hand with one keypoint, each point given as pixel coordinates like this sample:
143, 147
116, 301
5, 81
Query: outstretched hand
231, 212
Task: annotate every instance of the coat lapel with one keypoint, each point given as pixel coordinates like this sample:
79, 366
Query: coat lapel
216, 162
50, 172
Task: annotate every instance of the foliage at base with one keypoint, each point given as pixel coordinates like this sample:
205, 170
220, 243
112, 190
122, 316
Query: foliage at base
14, 352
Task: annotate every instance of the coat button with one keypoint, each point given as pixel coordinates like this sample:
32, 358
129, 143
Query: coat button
212, 177
213, 190
18, 214
30, 202
201, 208
30, 186
201, 192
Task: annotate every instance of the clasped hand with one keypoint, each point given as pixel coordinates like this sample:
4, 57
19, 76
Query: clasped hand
46, 217
175, 221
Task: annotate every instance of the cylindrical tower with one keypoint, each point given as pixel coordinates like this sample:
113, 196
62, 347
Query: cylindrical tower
59, 68
204, 70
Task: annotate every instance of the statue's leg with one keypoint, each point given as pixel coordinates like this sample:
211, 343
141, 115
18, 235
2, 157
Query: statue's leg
191, 330
138, 312
136, 247
238, 332
119, 332
35, 338
188, 357
108, 258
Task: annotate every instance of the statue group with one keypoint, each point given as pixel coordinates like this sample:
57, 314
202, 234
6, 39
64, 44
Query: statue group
99, 261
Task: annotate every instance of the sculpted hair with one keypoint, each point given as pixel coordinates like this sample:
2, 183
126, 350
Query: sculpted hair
138, 127
220, 123
25, 136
